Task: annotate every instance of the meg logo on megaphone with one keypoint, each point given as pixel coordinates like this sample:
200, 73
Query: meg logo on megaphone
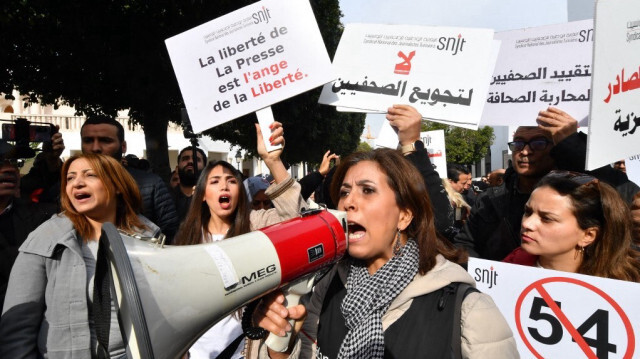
259, 275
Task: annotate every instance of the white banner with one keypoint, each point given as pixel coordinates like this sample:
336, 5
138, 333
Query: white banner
615, 107
435, 145
562, 315
443, 72
247, 60
632, 165
540, 67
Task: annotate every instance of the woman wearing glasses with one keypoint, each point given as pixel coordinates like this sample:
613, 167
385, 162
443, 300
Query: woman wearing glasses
576, 223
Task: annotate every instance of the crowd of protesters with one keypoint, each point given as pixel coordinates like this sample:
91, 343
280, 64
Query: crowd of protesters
410, 235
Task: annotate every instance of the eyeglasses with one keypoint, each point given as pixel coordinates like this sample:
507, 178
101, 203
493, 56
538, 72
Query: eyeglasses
536, 144
577, 177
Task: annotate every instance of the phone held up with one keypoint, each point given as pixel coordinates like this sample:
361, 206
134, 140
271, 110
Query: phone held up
23, 130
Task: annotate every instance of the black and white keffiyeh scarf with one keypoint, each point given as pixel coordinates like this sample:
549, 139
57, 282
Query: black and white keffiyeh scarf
367, 299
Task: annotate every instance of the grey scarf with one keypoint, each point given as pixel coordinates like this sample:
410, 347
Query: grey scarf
367, 299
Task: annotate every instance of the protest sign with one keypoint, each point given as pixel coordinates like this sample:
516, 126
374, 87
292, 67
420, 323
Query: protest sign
443, 72
433, 142
557, 314
540, 67
615, 87
632, 164
247, 60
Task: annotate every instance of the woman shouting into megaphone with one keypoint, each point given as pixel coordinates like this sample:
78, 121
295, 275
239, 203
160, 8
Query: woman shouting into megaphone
396, 294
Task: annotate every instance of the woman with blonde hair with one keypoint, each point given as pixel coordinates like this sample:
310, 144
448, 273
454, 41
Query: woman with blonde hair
461, 208
48, 308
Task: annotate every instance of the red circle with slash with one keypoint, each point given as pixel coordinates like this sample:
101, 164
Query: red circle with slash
565, 321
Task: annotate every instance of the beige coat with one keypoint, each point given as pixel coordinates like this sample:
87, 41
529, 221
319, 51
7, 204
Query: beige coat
287, 204
485, 332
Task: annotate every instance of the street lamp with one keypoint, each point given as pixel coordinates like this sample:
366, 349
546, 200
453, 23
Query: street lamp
239, 160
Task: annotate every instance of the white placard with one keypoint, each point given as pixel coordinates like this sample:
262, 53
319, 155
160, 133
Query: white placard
615, 106
435, 145
247, 60
562, 315
443, 72
540, 67
433, 142
387, 137
632, 165
265, 119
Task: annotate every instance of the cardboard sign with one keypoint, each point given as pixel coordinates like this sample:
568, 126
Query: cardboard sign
615, 105
540, 67
247, 60
443, 72
562, 315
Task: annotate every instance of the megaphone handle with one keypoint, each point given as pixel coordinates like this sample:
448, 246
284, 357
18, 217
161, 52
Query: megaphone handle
278, 343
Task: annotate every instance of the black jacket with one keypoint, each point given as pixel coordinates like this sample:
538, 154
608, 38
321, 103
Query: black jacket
157, 202
442, 209
493, 228
15, 226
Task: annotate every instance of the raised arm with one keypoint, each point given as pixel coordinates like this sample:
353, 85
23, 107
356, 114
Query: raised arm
406, 121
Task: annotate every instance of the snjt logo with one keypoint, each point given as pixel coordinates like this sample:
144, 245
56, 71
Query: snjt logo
488, 276
453, 44
261, 16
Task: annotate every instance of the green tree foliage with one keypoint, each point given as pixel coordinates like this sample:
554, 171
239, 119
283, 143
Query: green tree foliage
463, 146
364, 147
107, 55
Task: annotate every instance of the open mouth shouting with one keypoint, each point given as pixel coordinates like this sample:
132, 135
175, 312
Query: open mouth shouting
81, 196
356, 232
225, 201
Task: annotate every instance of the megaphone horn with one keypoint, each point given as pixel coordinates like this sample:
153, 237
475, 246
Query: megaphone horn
167, 297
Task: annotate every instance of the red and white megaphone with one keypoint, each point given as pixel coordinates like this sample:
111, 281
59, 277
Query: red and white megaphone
167, 297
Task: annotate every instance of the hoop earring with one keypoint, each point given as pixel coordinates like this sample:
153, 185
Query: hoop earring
580, 251
397, 247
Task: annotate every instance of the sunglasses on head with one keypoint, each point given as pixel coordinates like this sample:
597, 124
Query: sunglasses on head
536, 144
577, 177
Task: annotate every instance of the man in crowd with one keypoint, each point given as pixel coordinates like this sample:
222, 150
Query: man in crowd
188, 178
620, 166
493, 228
458, 177
105, 135
496, 177
17, 217
256, 187
460, 180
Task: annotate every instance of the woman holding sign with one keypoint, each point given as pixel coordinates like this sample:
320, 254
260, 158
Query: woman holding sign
575, 223
220, 209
